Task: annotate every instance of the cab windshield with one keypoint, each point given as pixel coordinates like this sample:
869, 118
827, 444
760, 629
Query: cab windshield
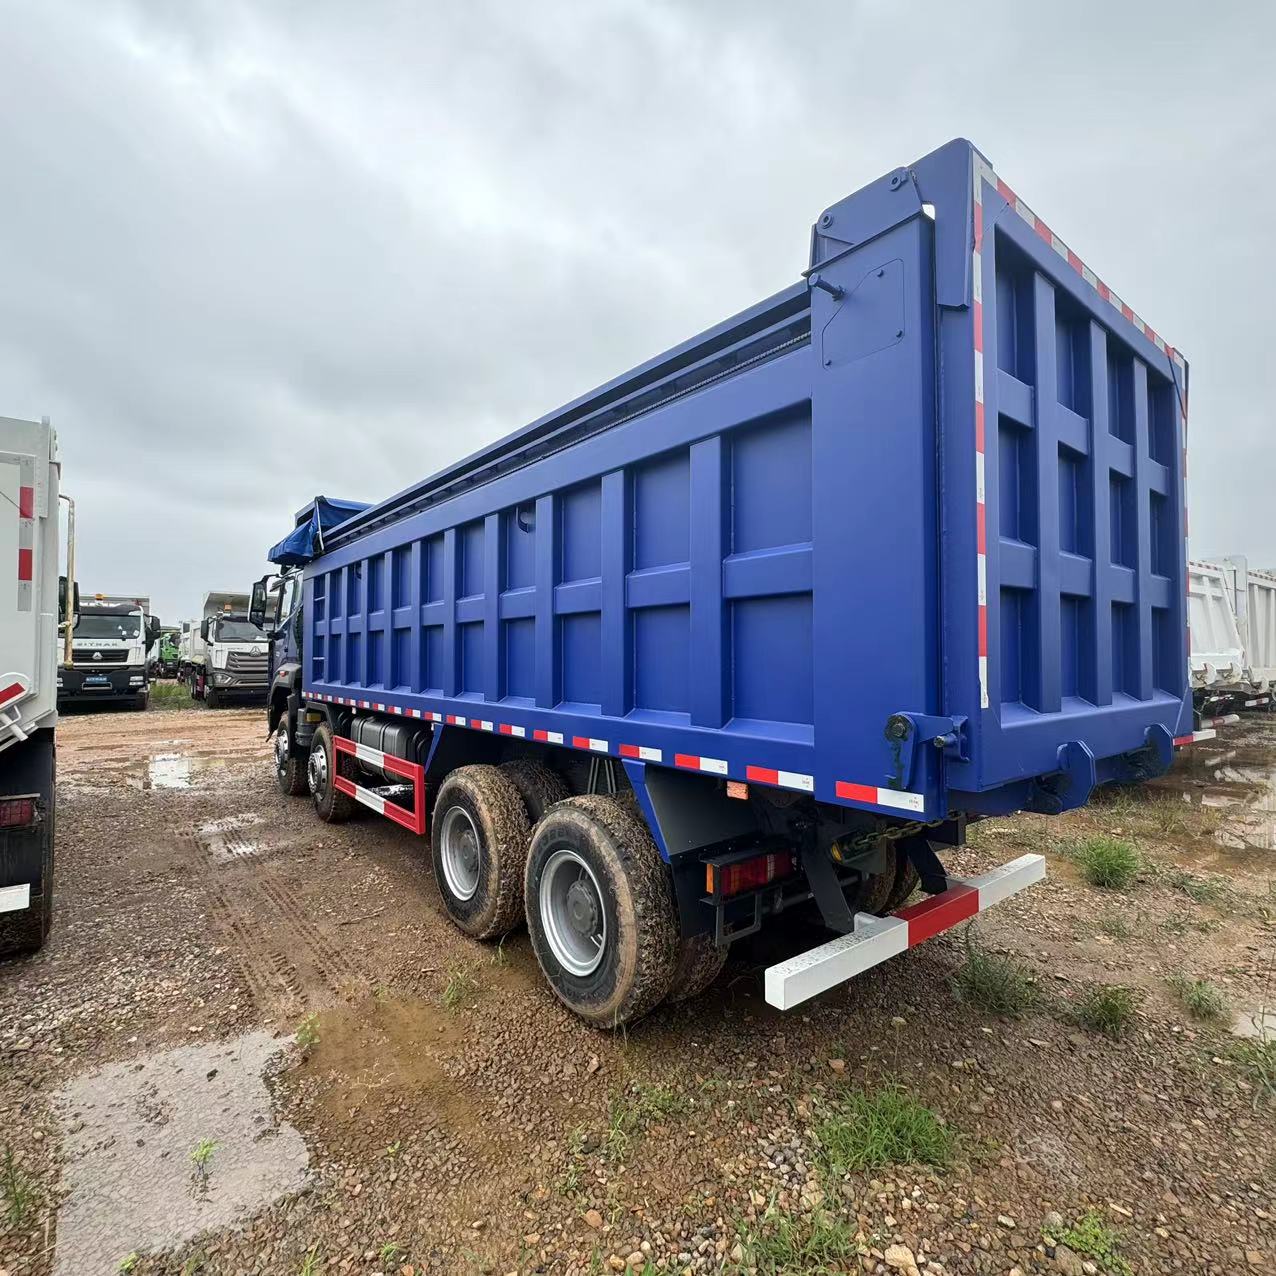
91, 626
238, 631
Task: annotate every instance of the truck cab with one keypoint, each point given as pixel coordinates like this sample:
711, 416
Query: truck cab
108, 653
227, 654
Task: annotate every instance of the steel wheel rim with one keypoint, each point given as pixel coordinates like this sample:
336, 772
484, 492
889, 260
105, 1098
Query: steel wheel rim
572, 912
460, 852
281, 750
317, 772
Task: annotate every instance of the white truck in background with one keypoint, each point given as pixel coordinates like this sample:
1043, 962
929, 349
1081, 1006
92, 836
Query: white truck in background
108, 651
223, 655
32, 603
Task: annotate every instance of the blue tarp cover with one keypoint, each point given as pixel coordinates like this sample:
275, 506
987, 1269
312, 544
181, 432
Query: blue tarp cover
305, 541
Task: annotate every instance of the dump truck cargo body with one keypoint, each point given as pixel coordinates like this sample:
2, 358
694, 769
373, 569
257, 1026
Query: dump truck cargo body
907, 537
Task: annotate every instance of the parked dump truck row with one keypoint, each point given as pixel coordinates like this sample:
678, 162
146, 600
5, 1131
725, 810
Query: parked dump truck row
638, 670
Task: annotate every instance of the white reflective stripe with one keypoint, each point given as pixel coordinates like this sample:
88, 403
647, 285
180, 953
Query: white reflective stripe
983, 579
1007, 880
370, 799
1089, 276
977, 275
795, 780
554, 737
983, 682
1058, 245
874, 940
13, 899
979, 376
521, 732
1025, 212
598, 746
714, 765
650, 755
482, 726
366, 753
1198, 736
979, 478
434, 717
900, 800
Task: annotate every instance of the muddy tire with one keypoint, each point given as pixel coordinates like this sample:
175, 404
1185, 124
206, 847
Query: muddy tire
538, 785
290, 765
141, 700
700, 962
600, 911
905, 883
323, 766
211, 697
873, 892
478, 842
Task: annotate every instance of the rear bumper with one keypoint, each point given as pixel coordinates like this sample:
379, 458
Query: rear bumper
118, 683
876, 939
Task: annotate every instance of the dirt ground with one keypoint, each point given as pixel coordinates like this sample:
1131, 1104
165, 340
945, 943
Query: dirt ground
255, 1044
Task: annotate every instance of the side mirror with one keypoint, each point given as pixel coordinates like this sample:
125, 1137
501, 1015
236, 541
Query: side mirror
203, 629
63, 617
152, 630
257, 607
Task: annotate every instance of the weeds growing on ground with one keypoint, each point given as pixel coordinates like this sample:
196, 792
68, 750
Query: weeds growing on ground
1115, 926
460, 985
634, 1109
786, 1245
201, 1159
1092, 1237
130, 1262
1203, 890
1107, 862
888, 1126
1105, 1008
310, 1264
391, 1251
308, 1033
998, 985
1257, 1060
1200, 998
19, 1191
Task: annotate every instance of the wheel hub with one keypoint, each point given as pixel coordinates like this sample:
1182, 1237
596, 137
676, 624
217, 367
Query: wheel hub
460, 852
317, 772
281, 749
571, 912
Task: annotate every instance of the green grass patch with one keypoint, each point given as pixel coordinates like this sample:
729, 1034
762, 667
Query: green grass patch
1093, 1238
634, 1109
1106, 1009
1204, 890
1114, 926
785, 1245
1257, 1062
460, 985
889, 1126
171, 695
1108, 862
19, 1190
1200, 998
998, 985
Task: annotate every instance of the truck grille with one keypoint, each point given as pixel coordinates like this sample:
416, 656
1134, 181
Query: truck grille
112, 656
242, 662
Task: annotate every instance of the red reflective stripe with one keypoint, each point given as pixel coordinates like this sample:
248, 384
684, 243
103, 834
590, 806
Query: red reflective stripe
26, 502
506, 729
538, 734
580, 742
983, 630
1181, 740
979, 224
629, 751
686, 760
761, 774
1005, 192
11, 692
979, 427
1075, 262
981, 527
1104, 291
932, 916
1044, 231
856, 792
24, 564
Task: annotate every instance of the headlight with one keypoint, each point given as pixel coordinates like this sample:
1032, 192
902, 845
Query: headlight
59, 682
135, 680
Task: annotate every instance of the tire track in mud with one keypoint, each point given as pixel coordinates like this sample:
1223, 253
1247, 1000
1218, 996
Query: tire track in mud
287, 954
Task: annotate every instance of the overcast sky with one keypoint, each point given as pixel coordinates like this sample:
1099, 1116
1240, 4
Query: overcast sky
255, 251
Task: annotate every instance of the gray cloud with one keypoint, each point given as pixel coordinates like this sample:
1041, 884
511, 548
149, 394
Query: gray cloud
253, 252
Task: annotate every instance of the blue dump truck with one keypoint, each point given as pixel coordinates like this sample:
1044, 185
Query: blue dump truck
763, 623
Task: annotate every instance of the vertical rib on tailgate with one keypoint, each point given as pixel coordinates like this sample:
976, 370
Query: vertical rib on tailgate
1080, 522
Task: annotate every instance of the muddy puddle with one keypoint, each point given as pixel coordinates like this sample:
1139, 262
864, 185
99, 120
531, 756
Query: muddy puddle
163, 1148
167, 770
1235, 780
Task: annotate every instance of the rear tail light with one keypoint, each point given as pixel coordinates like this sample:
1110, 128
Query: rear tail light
17, 812
750, 874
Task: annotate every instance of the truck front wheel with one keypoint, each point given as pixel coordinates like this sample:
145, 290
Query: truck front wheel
211, 698
600, 911
332, 806
478, 843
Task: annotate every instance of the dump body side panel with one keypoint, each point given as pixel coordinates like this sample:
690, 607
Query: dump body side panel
1217, 655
